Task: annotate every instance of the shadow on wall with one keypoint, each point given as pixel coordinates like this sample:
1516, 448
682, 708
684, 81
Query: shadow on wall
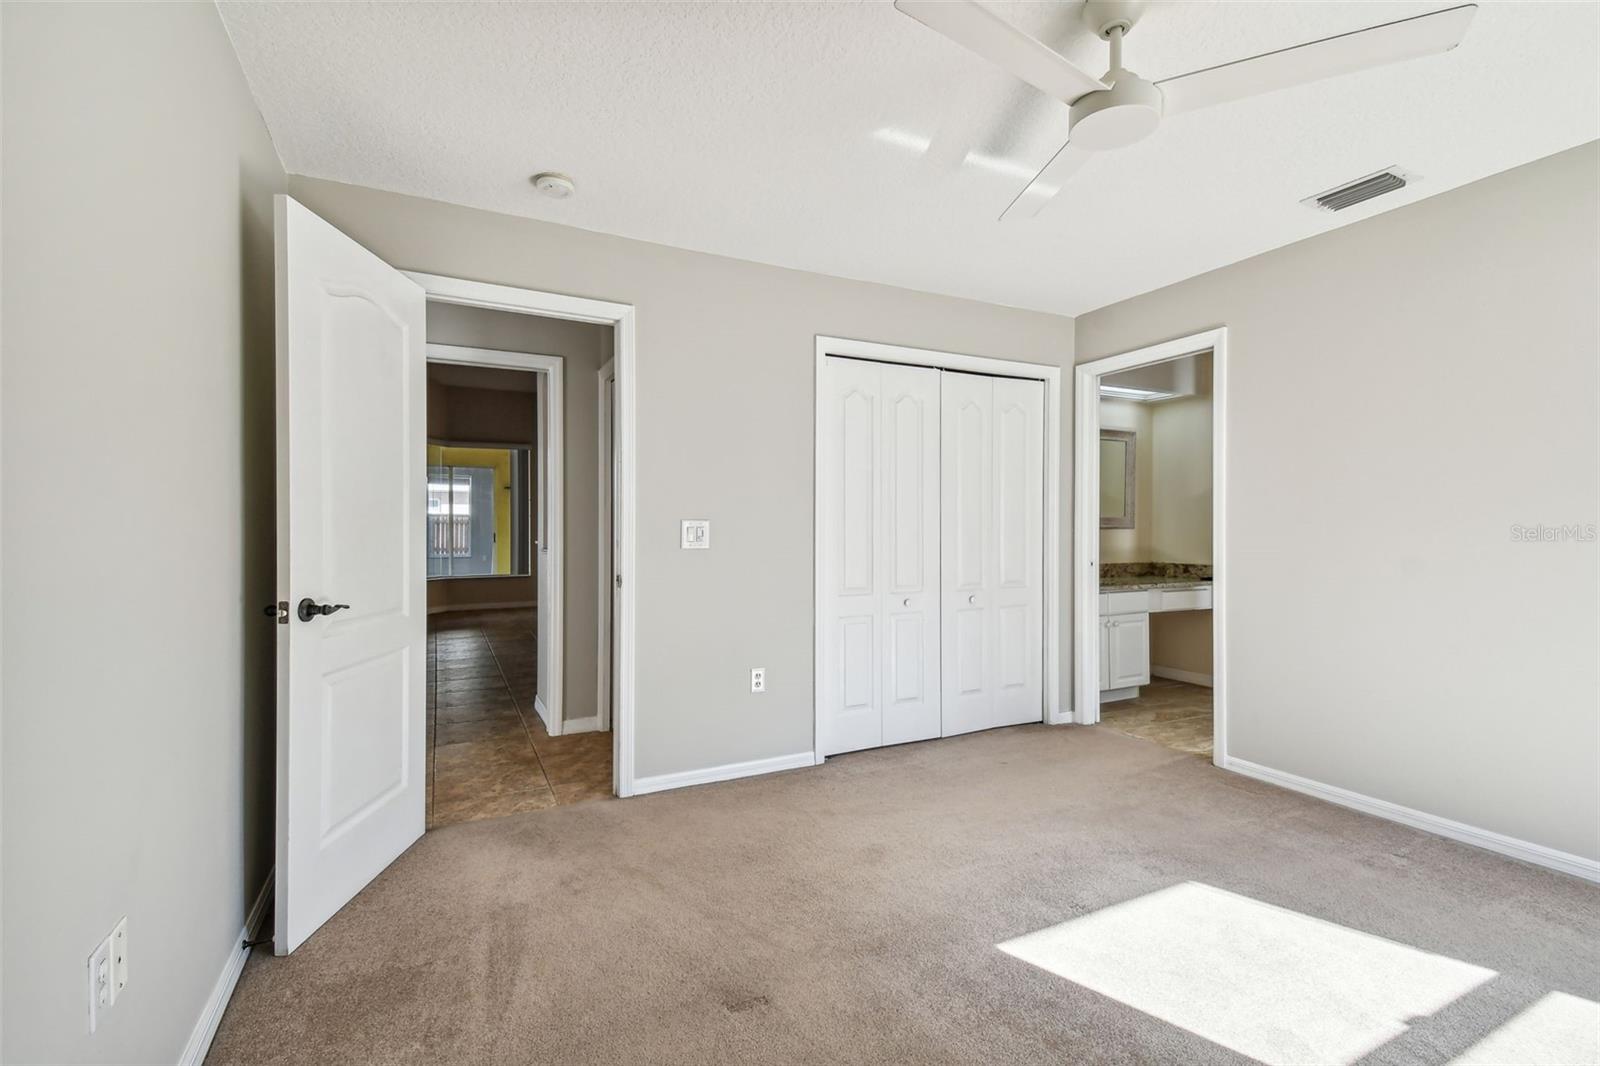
258, 531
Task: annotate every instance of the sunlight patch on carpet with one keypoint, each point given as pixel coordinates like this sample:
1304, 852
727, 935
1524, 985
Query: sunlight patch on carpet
1557, 1029
1278, 986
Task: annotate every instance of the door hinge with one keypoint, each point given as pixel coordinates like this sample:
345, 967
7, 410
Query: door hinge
279, 610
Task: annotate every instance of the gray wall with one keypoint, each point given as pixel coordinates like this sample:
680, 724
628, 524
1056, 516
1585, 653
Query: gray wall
138, 516
725, 406
1402, 392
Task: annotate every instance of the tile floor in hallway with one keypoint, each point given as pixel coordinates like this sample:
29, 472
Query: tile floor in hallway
1175, 714
488, 752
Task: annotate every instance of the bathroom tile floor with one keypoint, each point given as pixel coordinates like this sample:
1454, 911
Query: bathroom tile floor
1174, 714
488, 752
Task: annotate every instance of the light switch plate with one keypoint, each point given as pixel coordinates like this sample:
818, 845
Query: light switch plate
696, 533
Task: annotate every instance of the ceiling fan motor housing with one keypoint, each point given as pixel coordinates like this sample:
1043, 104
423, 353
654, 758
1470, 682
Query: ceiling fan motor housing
1129, 111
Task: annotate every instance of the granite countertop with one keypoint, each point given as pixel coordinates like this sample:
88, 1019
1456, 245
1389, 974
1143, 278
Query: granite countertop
1145, 583
1139, 577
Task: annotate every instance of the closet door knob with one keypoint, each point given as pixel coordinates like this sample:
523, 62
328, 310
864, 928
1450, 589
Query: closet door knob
972, 599
905, 603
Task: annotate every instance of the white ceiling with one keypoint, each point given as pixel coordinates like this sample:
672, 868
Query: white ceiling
794, 133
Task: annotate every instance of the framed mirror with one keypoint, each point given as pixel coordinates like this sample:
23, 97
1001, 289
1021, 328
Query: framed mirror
1116, 478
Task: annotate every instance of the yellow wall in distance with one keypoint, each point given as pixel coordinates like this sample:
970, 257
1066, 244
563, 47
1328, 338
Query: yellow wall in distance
498, 460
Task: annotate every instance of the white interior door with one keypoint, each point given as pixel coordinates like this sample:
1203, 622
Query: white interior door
352, 502
993, 514
879, 500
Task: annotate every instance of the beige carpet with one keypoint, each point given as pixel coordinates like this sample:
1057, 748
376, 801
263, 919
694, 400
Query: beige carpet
853, 912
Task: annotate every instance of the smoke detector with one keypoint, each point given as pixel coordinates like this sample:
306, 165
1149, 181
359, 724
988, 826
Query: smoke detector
556, 186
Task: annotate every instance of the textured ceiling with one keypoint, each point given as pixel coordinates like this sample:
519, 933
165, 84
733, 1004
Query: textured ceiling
847, 139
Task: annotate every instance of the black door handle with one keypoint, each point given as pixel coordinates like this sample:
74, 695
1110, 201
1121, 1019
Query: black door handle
310, 608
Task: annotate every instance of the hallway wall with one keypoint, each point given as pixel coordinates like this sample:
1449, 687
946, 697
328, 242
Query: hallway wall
138, 681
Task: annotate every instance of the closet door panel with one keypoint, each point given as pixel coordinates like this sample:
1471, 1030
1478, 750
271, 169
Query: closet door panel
1017, 616
967, 462
849, 497
909, 540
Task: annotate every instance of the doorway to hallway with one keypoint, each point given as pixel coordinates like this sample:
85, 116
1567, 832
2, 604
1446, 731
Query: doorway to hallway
488, 751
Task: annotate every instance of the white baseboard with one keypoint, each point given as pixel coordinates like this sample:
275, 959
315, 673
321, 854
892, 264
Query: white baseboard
590, 724
1538, 854
194, 1052
1174, 674
544, 715
447, 608
727, 772
1115, 695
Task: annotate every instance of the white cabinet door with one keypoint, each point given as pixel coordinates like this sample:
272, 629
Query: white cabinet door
1129, 651
879, 501
992, 503
352, 505
1105, 654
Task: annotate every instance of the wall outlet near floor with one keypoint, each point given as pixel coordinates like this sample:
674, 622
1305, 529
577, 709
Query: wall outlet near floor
119, 958
758, 679
108, 972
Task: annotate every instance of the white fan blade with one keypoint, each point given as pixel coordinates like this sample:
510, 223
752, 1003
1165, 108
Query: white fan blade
1423, 35
1045, 184
974, 26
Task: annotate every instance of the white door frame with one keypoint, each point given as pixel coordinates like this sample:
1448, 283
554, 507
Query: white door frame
1086, 522
896, 353
551, 487
620, 317
605, 377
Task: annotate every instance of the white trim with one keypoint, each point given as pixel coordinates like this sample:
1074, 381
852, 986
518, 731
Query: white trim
544, 716
452, 608
1086, 524
205, 1027
1174, 674
552, 481
590, 724
1054, 713
606, 575
621, 318
727, 772
1527, 851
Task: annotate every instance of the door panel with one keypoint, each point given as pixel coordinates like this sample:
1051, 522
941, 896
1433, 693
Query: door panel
1018, 593
993, 458
352, 505
879, 493
968, 519
909, 603
852, 715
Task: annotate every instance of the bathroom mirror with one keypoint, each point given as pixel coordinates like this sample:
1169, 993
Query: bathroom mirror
1116, 478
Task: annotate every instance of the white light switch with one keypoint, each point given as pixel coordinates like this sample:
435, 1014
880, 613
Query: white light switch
696, 533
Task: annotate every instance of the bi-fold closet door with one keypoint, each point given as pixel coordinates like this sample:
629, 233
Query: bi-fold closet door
931, 494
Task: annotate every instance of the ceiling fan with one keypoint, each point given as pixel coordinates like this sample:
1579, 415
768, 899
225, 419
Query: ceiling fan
1120, 108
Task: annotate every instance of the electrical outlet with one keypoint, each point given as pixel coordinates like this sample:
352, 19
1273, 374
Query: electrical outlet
108, 972
758, 679
100, 982
119, 958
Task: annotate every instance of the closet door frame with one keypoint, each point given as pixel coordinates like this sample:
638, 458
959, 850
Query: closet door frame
1054, 713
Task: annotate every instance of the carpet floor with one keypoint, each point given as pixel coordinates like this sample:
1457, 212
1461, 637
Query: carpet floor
1023, 895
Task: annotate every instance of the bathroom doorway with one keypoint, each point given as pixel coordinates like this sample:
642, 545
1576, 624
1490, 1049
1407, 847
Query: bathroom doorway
1149, 544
